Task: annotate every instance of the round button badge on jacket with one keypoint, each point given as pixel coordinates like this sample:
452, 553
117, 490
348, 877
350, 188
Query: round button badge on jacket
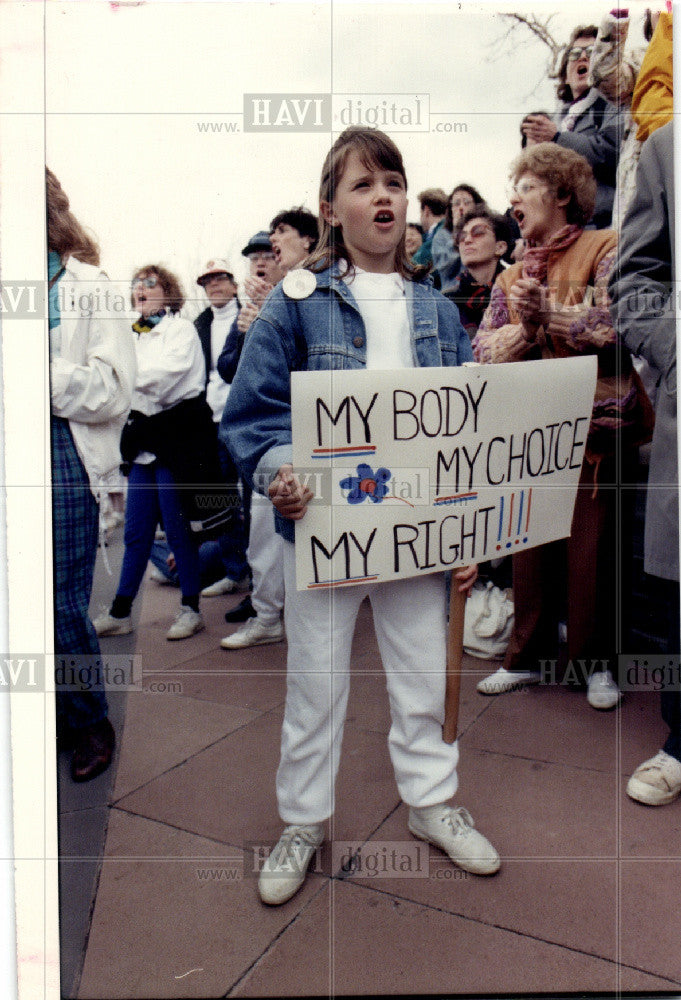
299, 284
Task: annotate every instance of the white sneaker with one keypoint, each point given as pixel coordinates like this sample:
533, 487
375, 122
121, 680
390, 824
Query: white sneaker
602, 692
106, 624
503, 680
454, 832
285, 869
157, 576
225, 586
187, 623
254, 632
656, 782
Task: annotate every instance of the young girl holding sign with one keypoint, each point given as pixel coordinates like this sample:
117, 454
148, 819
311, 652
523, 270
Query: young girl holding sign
358, 303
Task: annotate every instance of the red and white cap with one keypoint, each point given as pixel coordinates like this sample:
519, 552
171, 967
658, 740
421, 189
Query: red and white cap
216, 266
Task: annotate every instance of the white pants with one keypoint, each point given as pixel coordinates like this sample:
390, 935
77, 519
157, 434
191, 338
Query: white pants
410, 623
265, 557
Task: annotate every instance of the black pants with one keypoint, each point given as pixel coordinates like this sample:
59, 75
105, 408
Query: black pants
670, 701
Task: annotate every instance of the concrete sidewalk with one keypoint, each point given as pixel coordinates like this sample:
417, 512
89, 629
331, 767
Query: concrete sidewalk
587, 898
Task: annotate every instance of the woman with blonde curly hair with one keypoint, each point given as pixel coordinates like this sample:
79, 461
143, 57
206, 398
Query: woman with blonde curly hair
555, 305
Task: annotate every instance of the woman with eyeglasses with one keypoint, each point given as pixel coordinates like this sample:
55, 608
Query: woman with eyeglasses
168, 420
555, 305
586, 122
482, 238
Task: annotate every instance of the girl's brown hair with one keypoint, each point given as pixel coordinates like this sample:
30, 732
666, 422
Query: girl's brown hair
375, 149
172, 290
65, 235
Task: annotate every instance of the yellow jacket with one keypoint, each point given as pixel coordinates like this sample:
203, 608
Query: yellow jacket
652, 100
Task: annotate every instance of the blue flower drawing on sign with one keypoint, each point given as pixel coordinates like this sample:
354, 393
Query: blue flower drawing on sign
366, 483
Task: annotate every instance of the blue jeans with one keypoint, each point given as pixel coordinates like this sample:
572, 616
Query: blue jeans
153, 497
211, 563
230, 548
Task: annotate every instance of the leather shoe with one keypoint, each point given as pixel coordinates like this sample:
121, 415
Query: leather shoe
93, 750
242, 612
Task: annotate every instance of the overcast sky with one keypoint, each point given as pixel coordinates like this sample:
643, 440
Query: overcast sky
126, 87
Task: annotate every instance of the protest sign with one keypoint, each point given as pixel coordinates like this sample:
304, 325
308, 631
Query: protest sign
423, 470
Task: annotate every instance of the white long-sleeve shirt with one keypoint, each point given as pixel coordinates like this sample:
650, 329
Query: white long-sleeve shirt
217, 389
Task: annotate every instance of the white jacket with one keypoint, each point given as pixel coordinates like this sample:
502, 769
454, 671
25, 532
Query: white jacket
170, 365
93, 378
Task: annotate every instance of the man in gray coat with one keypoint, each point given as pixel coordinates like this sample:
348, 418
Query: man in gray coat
643, 308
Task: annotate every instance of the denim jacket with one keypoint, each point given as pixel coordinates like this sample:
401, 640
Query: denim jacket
321, 332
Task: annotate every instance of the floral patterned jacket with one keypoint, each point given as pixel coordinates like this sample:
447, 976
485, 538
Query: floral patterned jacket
579, 323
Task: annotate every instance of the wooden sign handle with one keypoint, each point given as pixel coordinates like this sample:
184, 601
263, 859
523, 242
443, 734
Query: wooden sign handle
457, 611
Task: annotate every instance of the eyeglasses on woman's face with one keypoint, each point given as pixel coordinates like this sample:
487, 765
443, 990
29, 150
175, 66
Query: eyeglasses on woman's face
576, 51
151, 281
522, 189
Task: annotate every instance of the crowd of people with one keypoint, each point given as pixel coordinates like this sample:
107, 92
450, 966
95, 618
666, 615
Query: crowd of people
197, 412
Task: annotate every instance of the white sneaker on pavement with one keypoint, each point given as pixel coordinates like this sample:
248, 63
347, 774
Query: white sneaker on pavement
187, 623
106, 624
453, 830
254, 632
225, 586
157, 576
503, 680
656, 782
285, 869
602, 691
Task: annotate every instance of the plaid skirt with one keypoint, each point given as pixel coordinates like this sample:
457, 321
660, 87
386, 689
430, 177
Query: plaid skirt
75, 526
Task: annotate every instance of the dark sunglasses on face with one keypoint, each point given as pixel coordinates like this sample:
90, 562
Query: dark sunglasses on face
476, 233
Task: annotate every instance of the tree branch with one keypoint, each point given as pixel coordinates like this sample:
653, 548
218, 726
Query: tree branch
539, 27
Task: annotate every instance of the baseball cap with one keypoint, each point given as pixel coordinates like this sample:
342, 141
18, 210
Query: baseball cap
216, 266
261, 241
